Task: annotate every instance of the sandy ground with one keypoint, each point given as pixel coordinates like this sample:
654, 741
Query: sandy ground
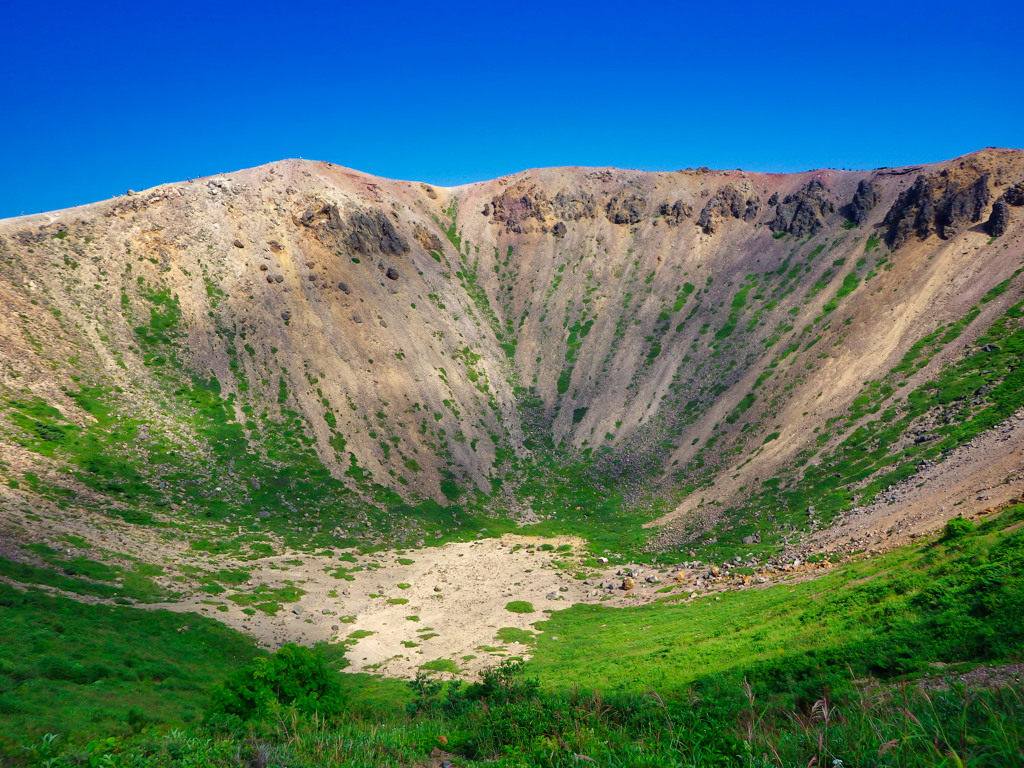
458, 592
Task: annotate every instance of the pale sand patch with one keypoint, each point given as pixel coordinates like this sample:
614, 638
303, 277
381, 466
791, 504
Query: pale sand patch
459, 591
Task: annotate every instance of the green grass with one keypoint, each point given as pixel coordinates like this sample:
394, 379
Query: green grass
674, 682
883, 616
515, 635
519, 606
69, 667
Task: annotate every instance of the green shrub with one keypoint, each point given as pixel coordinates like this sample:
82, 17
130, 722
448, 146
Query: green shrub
295, 676
957, 528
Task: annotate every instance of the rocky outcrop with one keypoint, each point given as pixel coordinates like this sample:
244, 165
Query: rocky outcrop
998, 219
803, 213
372, 232
516, 205
727, 201
575, 206
625, 208
864, 200
367, 231
1015, 195
941, 204
525, 208
675, 213
426, 238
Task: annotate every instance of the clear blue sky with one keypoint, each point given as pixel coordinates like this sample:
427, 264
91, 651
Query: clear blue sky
102, 97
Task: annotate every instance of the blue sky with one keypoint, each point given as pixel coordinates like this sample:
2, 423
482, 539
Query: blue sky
103, 97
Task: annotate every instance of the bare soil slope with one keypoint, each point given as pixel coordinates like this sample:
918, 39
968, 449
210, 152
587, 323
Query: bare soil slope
231, 348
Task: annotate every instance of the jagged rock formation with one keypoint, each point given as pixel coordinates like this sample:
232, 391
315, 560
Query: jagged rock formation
864, 200
675, 213
803, 213
940, 204
727, 201
625, 208
999, 219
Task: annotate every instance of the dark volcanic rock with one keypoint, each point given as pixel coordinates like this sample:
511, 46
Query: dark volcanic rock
675, 213
365, 231
803, 213
752, 208
864, 199
372, 232
727, 201
938, 204
625, 208
999, 218
559, 229
1015, 194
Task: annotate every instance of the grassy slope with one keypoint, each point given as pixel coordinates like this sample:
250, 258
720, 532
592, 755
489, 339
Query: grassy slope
81, 670
955, 600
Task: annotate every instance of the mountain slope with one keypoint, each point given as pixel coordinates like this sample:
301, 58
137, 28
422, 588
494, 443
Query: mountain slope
346, 358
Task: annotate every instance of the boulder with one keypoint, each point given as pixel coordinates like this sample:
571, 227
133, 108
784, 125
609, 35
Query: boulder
998, 219
628, 583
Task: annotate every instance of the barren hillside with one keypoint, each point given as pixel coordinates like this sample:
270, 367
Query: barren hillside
348, 359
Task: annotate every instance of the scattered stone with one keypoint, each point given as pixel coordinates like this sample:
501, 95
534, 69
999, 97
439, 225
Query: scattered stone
238, 244
628, 583
356, 319
286, 315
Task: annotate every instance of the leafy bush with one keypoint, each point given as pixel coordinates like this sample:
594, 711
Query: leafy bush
957, 528
295, 676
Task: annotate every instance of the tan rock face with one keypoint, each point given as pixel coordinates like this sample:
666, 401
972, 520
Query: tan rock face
420, 334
